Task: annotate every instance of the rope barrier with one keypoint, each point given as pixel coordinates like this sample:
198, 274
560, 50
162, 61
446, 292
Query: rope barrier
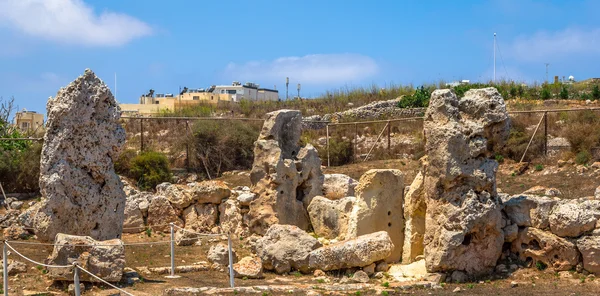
33, 261
103, 281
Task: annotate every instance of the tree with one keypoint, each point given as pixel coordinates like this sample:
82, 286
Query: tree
545, 94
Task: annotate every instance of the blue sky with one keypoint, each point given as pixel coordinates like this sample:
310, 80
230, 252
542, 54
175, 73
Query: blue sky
323, 45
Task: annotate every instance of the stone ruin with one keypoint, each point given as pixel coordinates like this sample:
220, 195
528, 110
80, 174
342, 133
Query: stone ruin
463, 221
82, 194
285, 176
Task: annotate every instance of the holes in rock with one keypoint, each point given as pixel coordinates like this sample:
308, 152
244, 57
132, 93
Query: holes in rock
535, 245
281, 192
467, 240
389, 213
390, 224
492, 106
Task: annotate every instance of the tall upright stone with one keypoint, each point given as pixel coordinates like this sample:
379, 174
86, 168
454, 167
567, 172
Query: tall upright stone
463, 215
82, 194
285, 176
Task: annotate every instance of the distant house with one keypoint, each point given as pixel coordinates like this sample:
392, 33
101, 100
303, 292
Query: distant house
154, 103
29, 121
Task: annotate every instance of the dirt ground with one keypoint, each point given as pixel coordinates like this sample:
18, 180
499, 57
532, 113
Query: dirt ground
568, 179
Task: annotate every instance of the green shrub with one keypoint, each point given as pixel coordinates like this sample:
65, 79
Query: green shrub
218, 147
596, 92
545, 94
123, 163
419, 99
564, 93
340, 152
20, 168
539, 167
583, 157
150, 169
499, 158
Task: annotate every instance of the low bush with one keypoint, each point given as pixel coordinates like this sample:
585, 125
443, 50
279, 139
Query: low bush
218, 147
149, 169
419, 99
341, 152
20, 168
123, 163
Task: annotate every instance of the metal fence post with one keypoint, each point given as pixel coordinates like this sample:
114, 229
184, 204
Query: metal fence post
546, 133
5, 266
76, 279
231, 282
172, 275
142, 135
327, 138
389, 136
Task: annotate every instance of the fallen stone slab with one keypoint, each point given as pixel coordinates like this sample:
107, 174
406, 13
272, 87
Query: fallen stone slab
286, 247
178, 269
105, 259
358, 252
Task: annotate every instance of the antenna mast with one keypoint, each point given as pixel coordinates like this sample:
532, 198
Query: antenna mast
494, 57
547, 64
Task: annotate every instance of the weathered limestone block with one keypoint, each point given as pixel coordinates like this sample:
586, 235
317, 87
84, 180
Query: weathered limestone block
336, 186
285, 177
463, 216
530, 210
572, 218
285, 247
136, 209
179, 197
379, 206
209, 192
330, 218
589, 246
230, 217
556, 252
201, 217
248, 267
161, 213
357, 252
105, 259
414, 213
219, 254
81, 192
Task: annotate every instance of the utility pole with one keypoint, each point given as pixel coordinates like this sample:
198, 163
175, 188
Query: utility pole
547, 64
298, 91
287, 84
494, 57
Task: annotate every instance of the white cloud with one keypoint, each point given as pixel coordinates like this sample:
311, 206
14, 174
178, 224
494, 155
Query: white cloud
70, 22
312, 69
542, 46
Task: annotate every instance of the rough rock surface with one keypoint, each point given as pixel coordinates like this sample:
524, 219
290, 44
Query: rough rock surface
330, 218
572, 218
336, 186
463, 216
530, 210
136, 209
219, 253
590, 251
201, 217
414, 213
284, 176
357, 252
161, 213
209, 192
248, 267
106, 259
286, 247
379, 206
556, 252
82, 194
230, 217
